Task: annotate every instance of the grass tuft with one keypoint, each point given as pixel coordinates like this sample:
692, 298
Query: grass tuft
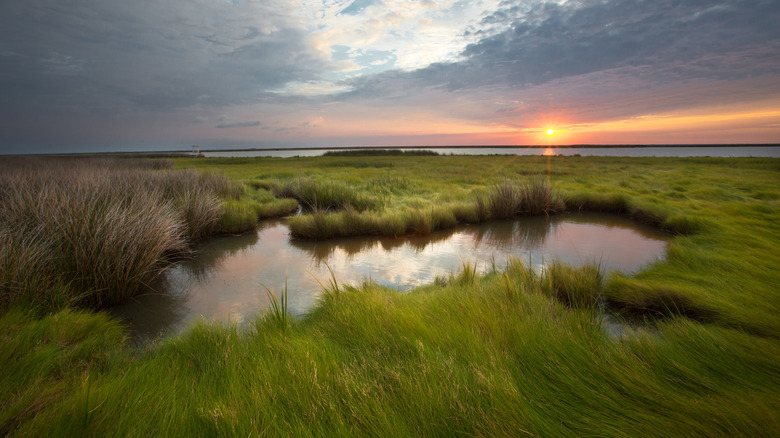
323, 196
575, 286
509, 199
278, 311
237, 217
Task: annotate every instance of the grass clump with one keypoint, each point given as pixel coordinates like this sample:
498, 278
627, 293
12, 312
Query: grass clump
328, 196
510, 198
350, 222
277, 208
236, 217
200, 210
94, 232
576, 286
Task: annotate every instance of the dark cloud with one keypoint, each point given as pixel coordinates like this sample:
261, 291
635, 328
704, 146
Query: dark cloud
238, 124
146, 55
526, 44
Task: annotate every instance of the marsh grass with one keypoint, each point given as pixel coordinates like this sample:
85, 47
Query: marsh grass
575, 286
236, 217
468, 273
332, 290
323, 196
94, 232
383, 363
635, 298
510, 198
507, 199
496, 357
200, 209
278, 306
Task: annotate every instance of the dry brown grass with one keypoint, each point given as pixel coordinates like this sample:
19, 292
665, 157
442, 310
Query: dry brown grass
97, 230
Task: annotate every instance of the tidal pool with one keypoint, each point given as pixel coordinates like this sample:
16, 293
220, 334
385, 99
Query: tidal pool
223, 280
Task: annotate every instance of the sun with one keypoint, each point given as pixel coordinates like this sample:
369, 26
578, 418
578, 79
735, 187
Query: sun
550, 131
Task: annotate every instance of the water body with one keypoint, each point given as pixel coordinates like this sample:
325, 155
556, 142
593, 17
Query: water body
223, 280
643, 151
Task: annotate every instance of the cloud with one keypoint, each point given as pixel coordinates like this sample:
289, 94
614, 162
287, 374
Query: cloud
239, 124
145, 55
357, 6
90, 69
646, 43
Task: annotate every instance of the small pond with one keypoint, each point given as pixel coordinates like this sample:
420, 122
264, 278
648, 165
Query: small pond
222, 281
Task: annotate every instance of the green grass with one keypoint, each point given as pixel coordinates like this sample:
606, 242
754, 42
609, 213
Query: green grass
509, 199
575, 286
319, 196
514, 352
461, 359
721, 266
278, 312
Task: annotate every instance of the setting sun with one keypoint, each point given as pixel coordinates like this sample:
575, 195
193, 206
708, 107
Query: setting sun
550, 131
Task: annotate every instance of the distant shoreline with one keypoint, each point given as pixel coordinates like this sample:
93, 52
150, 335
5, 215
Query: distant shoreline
577, 146
188, 152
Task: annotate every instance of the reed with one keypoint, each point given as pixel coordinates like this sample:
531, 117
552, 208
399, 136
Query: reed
96, 231
200, 210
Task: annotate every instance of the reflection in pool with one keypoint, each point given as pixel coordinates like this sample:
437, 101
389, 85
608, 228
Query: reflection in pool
223, 280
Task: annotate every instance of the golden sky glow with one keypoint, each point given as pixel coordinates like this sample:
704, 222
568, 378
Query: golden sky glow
709, 125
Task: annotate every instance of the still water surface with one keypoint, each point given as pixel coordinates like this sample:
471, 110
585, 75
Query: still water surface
222, 281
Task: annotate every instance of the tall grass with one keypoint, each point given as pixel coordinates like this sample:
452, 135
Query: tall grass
200, 210
460, 359
96, 231
323, 196
511, 198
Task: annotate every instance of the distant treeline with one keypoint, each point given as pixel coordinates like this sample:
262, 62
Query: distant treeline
361, 152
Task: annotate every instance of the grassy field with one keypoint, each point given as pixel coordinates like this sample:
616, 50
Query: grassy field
510, 353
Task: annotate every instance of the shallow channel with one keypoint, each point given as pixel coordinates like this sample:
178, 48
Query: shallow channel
223, 280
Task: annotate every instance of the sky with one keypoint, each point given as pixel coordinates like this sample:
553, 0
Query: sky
117, 75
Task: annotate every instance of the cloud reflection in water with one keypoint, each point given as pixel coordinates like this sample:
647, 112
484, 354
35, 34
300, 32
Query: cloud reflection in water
222, 280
